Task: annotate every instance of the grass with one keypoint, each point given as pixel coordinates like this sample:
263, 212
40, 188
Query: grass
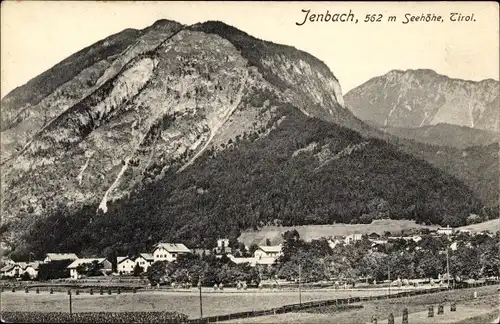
488, 300
183, 302
309, 232
492, 225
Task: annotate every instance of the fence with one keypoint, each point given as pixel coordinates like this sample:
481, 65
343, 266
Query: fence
314, 304
342, 302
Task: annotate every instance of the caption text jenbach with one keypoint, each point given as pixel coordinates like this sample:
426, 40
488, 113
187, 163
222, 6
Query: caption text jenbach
408, 18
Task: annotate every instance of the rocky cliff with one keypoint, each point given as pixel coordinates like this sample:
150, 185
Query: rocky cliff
123, 111
415, 98
172, 131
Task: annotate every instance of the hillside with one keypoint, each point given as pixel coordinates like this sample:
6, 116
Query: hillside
190, 132
443, 134
415, 98
305, 171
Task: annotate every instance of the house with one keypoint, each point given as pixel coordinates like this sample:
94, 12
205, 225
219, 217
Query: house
265, 261
49, 257
379, 242
242, 260
73, 273
32, 269
202, 251
349, 239
264, 251
332, 243
11, 271
373, 236
169, 251
222, 243
445, 230
125, 265
144, 260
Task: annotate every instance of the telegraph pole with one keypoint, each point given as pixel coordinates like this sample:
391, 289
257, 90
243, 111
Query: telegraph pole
300, 287
447, 269
70, 305
389, 275
201, 303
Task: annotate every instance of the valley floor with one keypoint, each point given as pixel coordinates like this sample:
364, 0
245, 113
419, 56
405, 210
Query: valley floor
483, 309
219, 303
187, 302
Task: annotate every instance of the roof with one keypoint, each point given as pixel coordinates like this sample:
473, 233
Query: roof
8, 267
271, 248
265, 261
121, 259
78, 262
146, 256
173, 247
22, 265
241, 260
35, 265
61, 256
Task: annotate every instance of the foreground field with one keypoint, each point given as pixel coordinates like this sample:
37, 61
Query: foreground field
219, 303
309, 232
469, 310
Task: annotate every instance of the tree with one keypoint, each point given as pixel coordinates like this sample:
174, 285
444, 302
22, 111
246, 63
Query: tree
90, 269
268, 242
157, 272
374, 265
25, 276
138, 270
429, 265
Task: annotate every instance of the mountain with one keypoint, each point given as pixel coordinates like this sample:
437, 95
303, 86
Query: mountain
191, 132
305, 171
415, 98
444, 134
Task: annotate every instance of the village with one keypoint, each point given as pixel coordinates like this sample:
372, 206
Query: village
65, 264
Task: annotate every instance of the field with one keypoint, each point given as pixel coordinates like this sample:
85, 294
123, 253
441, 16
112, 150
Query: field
491, 225
469, 310
309, 232
214, 303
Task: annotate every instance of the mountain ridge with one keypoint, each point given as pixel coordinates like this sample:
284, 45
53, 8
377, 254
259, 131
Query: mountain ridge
178, 101
414, 98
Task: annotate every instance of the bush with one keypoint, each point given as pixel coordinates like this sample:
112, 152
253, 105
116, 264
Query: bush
95, 317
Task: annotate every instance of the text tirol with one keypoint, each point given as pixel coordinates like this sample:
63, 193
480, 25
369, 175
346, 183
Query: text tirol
326, 17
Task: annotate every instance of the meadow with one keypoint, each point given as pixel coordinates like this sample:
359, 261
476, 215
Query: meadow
186, 302
469, 310
309, 232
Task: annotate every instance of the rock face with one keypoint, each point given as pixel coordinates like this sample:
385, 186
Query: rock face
173, 132
416, 98
127, 109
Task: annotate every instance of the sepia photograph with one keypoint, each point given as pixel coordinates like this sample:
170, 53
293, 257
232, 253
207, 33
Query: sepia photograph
250, 162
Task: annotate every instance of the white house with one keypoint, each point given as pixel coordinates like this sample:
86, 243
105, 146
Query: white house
73, 273
32, 269
49, 257
332, 243
264, 251
169, 251
349, 239
125, 265
445, 230
11, 271
224, 242
144, 260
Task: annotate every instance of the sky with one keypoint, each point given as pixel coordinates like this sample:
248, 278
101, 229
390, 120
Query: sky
37, 35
